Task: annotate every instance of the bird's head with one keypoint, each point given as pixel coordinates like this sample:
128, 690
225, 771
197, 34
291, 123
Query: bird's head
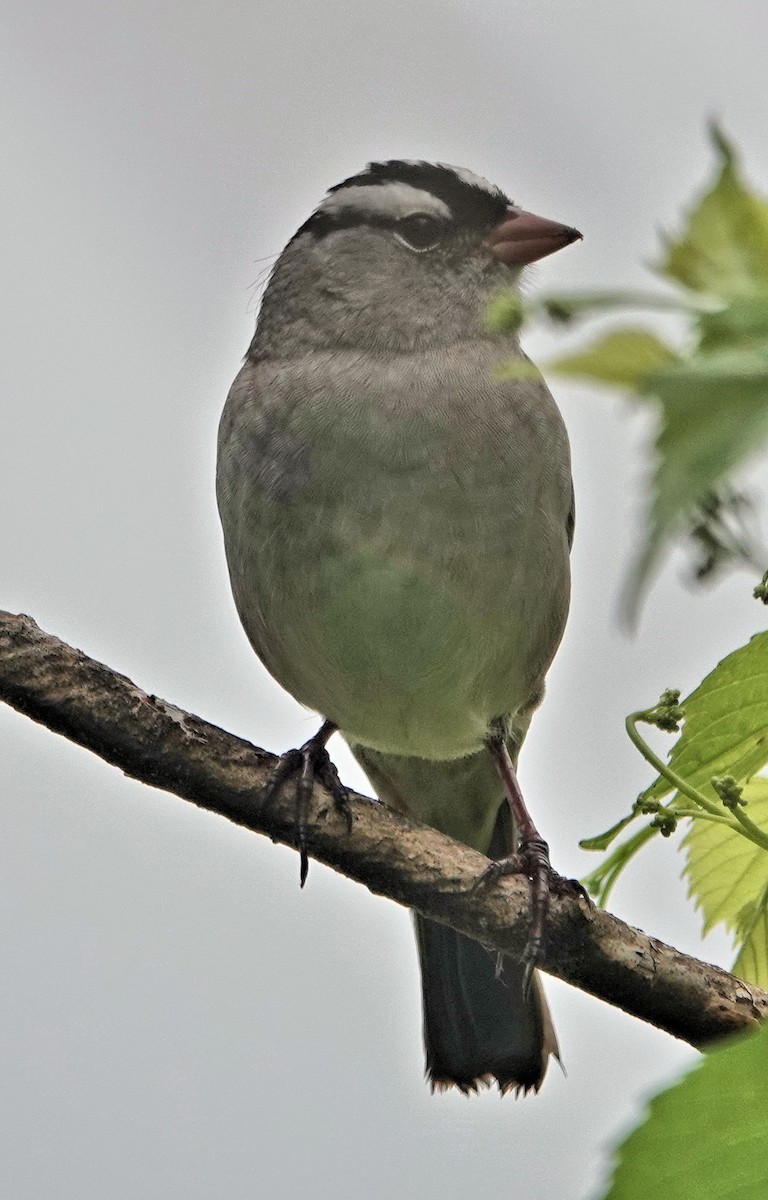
401, 256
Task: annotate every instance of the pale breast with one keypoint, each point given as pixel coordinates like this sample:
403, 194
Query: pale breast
397, 540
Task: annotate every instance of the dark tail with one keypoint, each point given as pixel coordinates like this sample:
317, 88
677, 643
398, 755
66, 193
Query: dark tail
478, 1026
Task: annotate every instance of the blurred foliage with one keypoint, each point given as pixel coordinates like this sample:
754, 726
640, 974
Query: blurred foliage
711, 398
705, 1137
711, 395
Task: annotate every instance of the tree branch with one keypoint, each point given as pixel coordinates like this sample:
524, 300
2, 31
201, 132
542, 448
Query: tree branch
161, 745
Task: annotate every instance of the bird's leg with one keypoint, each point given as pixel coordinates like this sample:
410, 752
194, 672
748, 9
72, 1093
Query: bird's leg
531, 857
309, 763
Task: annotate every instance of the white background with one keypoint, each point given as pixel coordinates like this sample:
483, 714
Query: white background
177, 1020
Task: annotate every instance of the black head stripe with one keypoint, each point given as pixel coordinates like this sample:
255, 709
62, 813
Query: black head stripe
470, 199
480, 201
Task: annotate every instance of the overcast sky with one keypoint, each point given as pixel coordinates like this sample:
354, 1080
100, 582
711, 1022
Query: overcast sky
177, 1020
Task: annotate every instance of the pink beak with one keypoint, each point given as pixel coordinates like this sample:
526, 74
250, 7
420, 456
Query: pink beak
523, 238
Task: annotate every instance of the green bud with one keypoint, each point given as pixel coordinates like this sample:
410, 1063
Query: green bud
666, 823
761, 591
728, 790
644, 806
668, 713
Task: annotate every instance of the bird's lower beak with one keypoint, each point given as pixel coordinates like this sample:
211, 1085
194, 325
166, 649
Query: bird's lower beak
523, 238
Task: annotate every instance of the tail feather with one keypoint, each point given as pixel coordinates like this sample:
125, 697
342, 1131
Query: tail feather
478, 1025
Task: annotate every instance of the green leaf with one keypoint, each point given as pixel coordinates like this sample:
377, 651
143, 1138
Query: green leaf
705, 1137
726, 722
567, 306
602, 841
623, 358
724, 247
714, 413
752, 960
714, 404
599, 883
743, 322
728, 880
712, 399
725, 733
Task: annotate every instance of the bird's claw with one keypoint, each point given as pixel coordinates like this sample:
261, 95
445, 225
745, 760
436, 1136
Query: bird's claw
531, 860
497, 868
310, 763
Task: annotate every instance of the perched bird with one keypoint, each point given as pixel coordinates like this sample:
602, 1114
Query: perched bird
397, 514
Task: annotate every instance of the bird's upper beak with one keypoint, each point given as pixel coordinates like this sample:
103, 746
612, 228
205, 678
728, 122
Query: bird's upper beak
523, 238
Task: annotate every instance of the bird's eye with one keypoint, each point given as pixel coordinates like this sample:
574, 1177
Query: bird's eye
420, 232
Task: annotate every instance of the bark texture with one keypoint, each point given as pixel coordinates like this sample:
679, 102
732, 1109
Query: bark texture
159, 744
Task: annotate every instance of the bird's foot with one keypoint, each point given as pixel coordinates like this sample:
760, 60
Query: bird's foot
308, 764
531, 860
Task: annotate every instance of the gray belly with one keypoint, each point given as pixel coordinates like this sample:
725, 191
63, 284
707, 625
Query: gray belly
402, 575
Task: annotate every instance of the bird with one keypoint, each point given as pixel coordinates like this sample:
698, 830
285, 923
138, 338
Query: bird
397, 511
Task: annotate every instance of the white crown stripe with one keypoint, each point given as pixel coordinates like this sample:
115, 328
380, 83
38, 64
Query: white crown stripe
385, 199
